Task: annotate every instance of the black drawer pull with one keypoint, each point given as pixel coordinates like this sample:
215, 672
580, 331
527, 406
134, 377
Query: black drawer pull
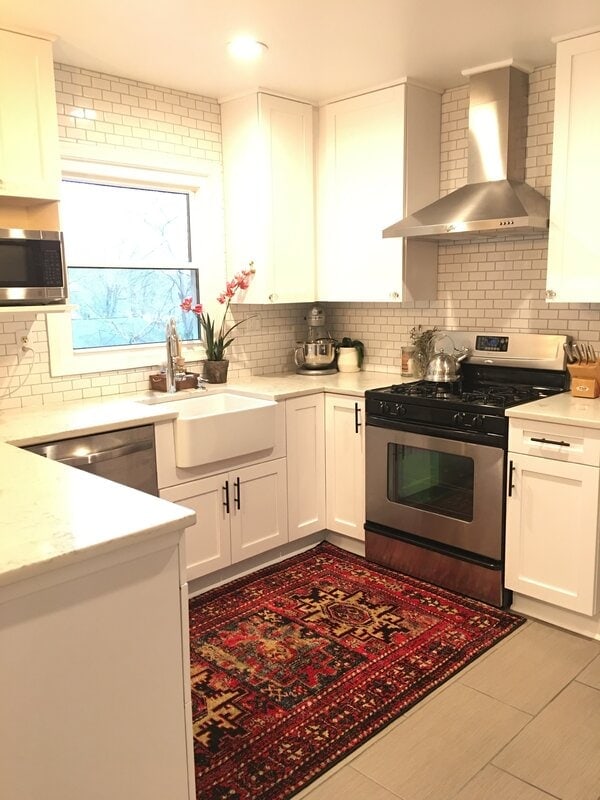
551, 441
237, 494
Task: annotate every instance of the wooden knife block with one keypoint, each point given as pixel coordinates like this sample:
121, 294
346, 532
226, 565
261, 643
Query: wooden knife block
585, 379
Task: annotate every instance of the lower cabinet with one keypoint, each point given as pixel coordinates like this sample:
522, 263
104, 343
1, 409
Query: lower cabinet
345, 464
240, 514
552, 519
305, 443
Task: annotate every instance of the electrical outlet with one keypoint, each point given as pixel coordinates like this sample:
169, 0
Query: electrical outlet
252, 324
24, 340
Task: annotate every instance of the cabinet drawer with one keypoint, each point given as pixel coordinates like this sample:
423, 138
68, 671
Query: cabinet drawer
559, 442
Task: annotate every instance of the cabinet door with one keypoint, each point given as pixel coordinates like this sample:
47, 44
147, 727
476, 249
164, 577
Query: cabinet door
287, 128
258, 509
29, 159
207, 543
268, 169
345, 464
552, 532
305, 439
574, 240
378, 157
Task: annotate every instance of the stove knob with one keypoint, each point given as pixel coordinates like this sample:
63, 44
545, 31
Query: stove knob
401, 410
382, 407
477, 421
459, 418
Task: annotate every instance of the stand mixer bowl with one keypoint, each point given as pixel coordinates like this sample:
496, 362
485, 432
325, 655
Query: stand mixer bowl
318, 354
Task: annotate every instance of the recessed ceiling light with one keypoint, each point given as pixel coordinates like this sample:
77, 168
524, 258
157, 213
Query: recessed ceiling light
246, 49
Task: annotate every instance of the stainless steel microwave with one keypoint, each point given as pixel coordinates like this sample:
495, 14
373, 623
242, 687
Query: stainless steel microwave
32, 267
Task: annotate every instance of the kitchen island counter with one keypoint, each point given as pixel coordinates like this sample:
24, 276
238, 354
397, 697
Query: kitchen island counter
53, 515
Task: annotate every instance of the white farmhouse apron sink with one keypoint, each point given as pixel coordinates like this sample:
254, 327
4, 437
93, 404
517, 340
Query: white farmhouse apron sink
215, 427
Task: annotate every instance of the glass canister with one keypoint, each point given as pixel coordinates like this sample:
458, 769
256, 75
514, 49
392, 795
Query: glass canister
407, 369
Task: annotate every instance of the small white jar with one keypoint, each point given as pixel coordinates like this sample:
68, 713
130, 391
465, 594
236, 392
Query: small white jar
347, 360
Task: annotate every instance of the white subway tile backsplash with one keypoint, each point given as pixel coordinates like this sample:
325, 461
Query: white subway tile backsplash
497, 284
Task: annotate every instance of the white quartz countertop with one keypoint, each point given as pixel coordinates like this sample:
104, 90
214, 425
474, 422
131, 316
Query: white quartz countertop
562, 409
52, 515
80, 417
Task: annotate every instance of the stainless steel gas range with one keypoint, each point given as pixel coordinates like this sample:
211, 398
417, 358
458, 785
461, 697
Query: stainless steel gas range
436, 462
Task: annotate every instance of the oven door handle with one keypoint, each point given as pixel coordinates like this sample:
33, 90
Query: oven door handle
511, 472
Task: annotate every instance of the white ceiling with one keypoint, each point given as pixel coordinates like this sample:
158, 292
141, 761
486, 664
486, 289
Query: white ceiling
318, 49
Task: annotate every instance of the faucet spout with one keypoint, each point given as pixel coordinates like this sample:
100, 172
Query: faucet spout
172, 341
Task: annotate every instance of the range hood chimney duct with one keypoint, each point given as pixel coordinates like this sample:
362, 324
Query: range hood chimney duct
495, 200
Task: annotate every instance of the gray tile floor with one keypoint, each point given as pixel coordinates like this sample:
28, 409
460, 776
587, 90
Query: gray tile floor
520, 723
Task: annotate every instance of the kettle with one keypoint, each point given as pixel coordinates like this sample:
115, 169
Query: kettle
444, 367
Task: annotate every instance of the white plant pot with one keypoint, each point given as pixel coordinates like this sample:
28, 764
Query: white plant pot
347, 360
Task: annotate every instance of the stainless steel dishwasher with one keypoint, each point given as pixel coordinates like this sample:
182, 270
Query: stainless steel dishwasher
125, 456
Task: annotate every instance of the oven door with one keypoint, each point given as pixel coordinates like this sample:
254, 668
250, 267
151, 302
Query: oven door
439, 490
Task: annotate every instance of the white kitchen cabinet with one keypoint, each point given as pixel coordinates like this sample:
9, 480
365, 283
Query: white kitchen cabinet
268, 173
379, 159
305, 439
94, 672
240, 513
574, 237
208, 542
29, 154
345, 464
552, 515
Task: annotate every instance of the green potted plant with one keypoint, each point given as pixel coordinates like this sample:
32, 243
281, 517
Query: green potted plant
350, 355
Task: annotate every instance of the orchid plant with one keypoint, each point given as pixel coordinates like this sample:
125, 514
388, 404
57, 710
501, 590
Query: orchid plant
216, 342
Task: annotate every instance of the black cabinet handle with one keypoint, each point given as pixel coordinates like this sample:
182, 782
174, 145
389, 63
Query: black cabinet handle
226, 492
237, 494
551, 441
511, 470
357, 422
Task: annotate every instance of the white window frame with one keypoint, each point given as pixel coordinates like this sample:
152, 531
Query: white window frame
203, 181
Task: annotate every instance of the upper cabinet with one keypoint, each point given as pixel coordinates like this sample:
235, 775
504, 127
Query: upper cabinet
29, 153
268, 171
379, 159
574, 237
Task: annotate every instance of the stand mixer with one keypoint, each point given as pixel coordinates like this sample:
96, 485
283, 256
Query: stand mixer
316, 355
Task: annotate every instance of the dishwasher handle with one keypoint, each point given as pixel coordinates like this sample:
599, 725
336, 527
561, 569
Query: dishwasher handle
103, 455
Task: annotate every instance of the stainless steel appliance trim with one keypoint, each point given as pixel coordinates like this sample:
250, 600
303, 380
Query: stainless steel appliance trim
126, 456
19, 233
483, 535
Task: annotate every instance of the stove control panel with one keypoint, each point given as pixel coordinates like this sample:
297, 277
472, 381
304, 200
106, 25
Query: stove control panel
492, 344
464, 420
390, 408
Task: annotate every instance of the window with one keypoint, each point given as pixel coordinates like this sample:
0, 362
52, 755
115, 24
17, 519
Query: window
129, 261
137, 239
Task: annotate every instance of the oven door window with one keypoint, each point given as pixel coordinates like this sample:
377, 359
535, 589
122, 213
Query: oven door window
431, 480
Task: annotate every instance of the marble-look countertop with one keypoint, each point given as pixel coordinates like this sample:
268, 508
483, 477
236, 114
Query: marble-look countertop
80, 417
561, 409
52, 515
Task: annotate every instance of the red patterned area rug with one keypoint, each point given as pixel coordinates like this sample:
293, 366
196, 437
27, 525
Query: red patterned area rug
296, 665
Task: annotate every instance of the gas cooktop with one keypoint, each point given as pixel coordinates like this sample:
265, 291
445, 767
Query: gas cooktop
495, 396
500, 372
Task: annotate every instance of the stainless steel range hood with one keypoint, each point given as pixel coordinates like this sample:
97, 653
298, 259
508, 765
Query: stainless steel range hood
496, 200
